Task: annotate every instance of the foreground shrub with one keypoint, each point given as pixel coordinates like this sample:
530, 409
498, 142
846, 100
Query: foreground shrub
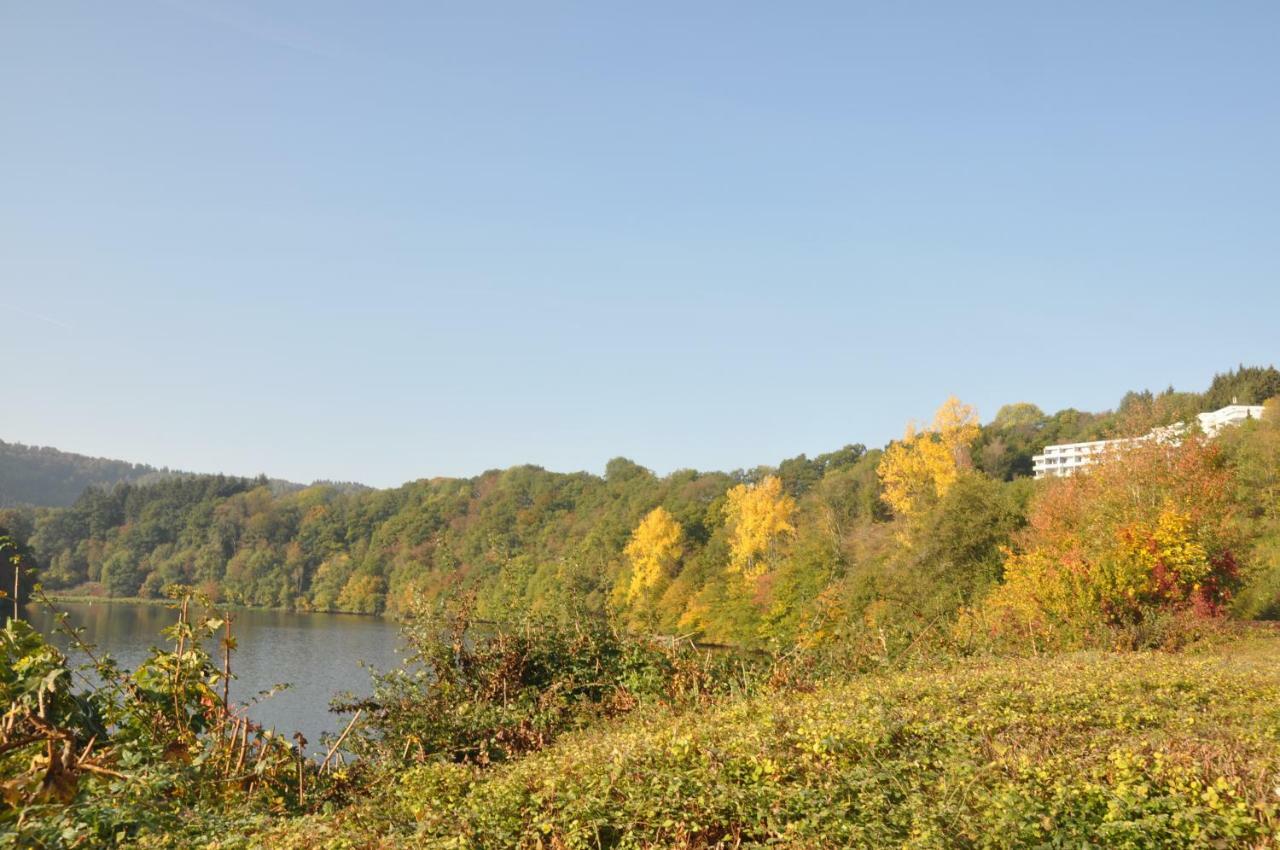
1128, 751
95, 756
482, 692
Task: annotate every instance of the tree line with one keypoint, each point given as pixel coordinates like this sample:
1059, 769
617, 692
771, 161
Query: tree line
875, 543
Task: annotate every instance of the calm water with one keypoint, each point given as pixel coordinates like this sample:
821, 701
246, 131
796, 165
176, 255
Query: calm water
318, 655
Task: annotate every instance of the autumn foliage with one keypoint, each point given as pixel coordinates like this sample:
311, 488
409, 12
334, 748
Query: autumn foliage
653, 551
1147, 530
758, 517
920, 469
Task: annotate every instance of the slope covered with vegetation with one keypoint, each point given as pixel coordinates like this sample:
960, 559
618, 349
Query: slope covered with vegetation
43, 476
750, 557
1080, 750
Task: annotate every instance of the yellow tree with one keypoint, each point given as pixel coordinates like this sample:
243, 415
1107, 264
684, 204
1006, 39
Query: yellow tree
757, 517
654, 550
920, 468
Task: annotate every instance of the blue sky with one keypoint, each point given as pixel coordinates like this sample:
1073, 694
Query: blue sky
383, 241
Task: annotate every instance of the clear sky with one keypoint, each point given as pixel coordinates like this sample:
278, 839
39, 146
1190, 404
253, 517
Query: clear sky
383, 241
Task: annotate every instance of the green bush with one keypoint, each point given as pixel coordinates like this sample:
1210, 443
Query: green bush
152, 752
1131, 751
483, 691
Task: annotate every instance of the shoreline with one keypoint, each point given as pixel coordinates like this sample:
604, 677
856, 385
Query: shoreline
87, 599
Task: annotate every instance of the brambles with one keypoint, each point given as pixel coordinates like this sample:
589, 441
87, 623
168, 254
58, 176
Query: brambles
1088, 750
480, 692
134, 753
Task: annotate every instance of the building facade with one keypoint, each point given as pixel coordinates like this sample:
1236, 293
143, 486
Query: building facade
1232, 414
1064, 459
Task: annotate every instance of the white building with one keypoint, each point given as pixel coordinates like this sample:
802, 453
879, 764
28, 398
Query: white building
1063, 459
1232, 414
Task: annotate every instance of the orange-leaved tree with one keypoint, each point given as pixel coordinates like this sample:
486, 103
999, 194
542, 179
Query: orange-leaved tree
920, 468
758, 517
1147, 529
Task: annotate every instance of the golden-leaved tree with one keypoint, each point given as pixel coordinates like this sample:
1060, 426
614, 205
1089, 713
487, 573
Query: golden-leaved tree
920, 468
758, 517
653, 551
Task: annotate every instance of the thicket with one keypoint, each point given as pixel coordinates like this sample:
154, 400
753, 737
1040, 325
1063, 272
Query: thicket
479, 693
1101, 751
92, 755
1148, 532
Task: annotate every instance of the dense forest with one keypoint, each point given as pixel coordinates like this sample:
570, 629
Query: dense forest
754, 557
47, 477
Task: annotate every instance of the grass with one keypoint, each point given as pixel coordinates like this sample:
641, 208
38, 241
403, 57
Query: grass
1131, 750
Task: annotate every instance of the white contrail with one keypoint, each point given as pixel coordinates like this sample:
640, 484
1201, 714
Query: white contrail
33, 314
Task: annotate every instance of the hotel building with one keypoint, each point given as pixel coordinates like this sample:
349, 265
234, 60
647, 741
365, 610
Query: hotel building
1064, 459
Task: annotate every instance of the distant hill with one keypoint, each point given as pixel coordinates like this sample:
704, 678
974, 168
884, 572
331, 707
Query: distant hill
47, 477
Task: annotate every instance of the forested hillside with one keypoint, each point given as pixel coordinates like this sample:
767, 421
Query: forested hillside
766, 555
39, 475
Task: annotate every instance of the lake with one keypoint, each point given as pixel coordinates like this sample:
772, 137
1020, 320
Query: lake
318, 655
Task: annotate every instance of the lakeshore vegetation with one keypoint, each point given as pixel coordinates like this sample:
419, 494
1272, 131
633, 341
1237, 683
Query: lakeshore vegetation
923, 647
